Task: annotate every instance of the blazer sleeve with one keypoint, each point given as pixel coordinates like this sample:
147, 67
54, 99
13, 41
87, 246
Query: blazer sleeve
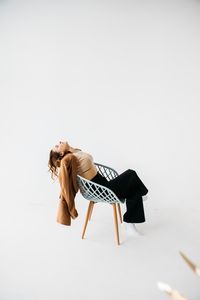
68, 184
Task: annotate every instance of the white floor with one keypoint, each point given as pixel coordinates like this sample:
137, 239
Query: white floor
41, 259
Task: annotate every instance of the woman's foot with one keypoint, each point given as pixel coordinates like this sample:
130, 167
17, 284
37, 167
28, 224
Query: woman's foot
131, 229
145, 197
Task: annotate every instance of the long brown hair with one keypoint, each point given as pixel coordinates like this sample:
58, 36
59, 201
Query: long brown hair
54, 162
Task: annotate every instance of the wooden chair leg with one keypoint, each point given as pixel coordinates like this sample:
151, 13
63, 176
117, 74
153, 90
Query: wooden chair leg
116, 222
119, 211
87, 218
91, 210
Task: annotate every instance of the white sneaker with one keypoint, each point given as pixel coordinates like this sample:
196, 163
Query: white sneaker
145, 197
131, 229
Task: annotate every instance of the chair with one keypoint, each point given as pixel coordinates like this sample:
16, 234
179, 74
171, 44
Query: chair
96, 193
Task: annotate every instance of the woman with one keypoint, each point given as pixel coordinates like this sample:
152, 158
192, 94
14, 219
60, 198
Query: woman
72, 161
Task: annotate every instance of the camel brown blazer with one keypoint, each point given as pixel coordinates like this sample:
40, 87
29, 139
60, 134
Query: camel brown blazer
69, 188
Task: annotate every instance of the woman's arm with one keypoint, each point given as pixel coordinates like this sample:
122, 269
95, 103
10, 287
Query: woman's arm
68, 182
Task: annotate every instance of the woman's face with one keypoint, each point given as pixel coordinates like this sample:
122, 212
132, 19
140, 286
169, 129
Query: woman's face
61, 147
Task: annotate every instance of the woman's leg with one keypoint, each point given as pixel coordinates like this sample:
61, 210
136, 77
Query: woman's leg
127, 185
134, 210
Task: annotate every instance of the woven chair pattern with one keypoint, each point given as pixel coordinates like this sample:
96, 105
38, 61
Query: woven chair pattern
96, 192
107, 172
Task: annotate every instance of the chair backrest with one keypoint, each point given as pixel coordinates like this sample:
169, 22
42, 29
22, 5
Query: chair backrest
106, 171
96, 192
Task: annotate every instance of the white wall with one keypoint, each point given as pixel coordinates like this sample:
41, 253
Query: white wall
119, 79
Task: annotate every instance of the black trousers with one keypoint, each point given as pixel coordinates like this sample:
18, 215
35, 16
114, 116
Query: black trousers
129, 186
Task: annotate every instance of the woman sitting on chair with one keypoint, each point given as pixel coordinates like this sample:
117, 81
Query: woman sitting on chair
65, 162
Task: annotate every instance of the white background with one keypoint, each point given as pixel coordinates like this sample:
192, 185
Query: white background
120, 80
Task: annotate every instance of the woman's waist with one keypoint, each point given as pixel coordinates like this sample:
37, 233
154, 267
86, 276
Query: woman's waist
98, 178
90, 173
